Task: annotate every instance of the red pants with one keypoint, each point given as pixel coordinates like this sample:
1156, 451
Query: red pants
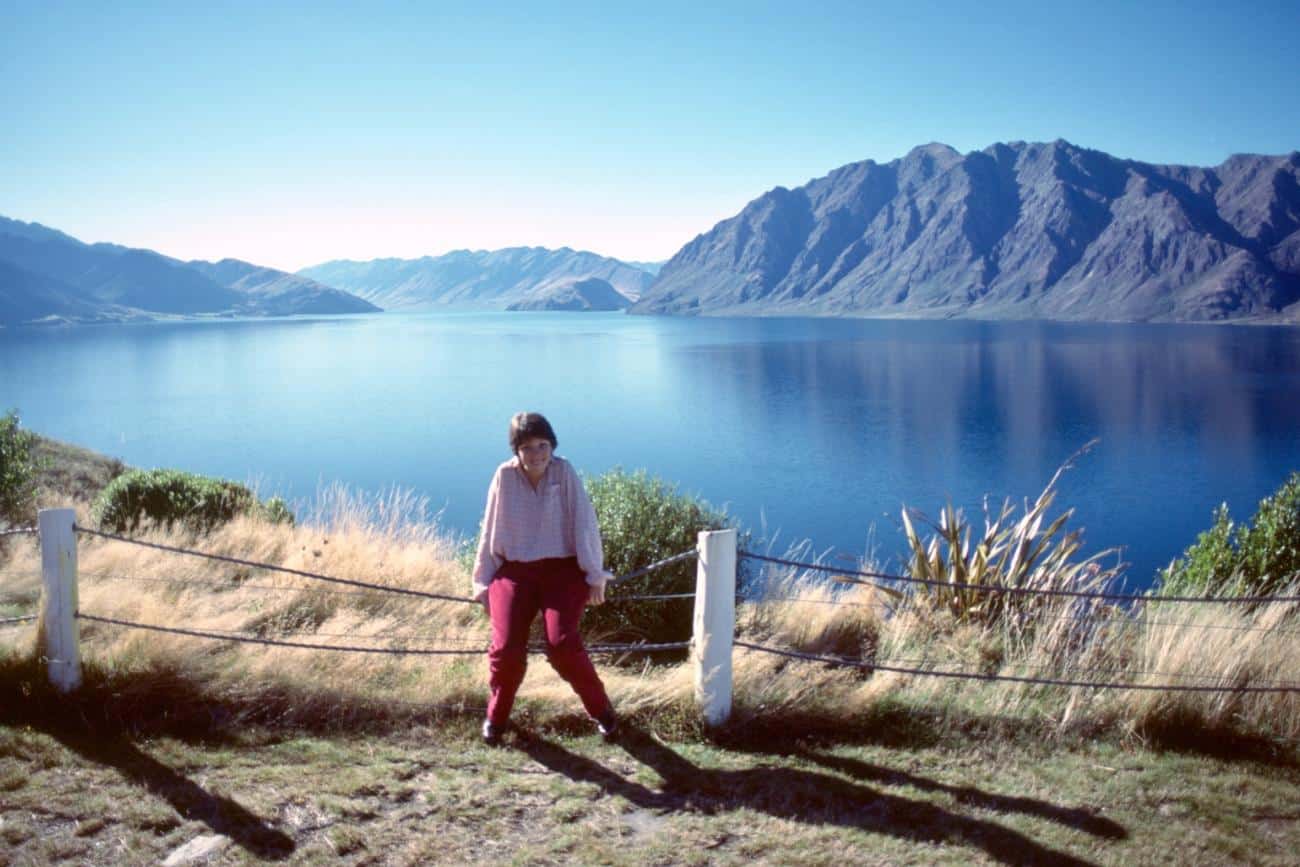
557, 588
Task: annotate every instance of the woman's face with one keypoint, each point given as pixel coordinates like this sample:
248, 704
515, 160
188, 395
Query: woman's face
535, 455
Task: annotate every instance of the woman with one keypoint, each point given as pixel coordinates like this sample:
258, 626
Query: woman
540, 551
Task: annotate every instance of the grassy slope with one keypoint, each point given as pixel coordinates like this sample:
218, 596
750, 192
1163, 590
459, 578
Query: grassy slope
72, 474
319, 766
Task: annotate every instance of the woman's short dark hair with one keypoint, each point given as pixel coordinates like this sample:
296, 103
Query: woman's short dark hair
530, 425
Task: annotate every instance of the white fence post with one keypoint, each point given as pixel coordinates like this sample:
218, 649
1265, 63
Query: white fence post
58, 627
715, 623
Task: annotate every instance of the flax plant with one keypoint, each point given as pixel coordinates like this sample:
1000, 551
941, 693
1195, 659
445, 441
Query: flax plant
966, 576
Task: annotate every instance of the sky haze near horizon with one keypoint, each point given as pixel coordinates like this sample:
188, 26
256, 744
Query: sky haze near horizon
292, 135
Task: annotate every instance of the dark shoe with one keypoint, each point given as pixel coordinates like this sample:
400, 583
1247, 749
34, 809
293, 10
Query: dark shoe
492, 733
607, 723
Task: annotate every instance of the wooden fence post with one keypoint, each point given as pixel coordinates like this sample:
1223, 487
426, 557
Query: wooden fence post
58, 620
715, 623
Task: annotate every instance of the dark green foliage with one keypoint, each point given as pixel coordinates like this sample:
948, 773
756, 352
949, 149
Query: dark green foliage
18, 468
643, 520
167, 497
1260, 557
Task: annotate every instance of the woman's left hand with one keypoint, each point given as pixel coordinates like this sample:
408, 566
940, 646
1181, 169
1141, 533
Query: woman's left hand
596, 592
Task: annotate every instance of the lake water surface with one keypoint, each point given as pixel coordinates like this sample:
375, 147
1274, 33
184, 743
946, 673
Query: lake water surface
804, 428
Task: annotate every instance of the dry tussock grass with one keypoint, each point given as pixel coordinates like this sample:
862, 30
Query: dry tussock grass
390, 541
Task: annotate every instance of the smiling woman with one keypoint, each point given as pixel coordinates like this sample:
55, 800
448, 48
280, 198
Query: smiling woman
540, 551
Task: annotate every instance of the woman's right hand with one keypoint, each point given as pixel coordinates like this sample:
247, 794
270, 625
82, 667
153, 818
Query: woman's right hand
482, 599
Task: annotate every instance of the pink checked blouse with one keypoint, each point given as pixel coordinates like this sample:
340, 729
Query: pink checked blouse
555, 520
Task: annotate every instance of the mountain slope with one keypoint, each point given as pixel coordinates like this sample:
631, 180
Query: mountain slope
29, 297
279, 293
47, 274
589, 294
474, 280
1015, 231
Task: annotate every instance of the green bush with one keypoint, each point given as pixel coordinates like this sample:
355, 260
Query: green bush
643, 520
168, 497
17, 471
1260, 557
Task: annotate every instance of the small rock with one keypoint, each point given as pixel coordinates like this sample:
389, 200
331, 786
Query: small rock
199, 847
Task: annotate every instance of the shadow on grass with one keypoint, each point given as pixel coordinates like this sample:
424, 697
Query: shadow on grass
1080, 820
820, 799
223, 815
1191, 738
901, 726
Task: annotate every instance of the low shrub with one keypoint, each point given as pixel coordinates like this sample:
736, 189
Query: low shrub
18, 467
169, 497
1259, 557
643, 520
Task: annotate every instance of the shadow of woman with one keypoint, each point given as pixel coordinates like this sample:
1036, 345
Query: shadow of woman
223, 815
798, 795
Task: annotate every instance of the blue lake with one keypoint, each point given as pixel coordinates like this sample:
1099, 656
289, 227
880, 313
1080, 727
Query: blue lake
805, 429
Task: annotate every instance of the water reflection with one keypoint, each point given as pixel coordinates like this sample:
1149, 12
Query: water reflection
887, 413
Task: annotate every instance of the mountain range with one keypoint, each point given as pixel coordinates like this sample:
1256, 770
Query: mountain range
46, 275
1019, 230
1015, 231
478, 279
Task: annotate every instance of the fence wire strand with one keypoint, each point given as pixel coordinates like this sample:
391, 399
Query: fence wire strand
231, 585
302, 573
1137, 621
645, 570
1041, 681
14, 621
1026, 591
245, 638
19, 531
378, 588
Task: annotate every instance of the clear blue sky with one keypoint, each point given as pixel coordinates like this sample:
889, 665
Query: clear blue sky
320, 130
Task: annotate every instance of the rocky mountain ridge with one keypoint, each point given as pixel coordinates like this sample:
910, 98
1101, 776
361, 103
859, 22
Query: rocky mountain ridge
1018, 230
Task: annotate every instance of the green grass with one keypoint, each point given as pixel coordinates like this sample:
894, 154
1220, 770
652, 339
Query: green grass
432, 794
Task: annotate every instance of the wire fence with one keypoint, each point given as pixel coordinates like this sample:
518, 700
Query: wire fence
19, 531
363, 588
1024, 591
373, 587
403, 644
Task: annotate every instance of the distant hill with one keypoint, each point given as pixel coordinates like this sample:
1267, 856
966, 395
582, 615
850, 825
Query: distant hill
590, 294
279, 293
48, 275
1018, 230
474, 280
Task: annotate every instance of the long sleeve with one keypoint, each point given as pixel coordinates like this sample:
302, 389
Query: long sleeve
586, 531
486, 561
